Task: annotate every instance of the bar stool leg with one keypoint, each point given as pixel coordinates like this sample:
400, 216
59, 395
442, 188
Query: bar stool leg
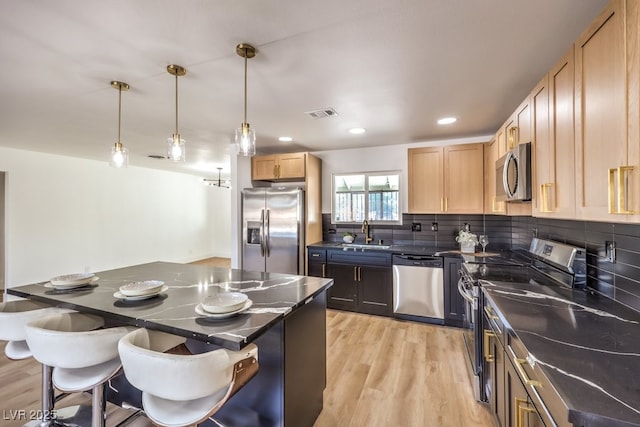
48, 396
99, 405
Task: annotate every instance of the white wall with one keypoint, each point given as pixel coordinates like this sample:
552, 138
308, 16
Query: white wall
383, 158
66, 214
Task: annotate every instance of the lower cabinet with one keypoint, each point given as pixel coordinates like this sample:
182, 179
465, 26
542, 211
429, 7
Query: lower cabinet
504, 387
453, 301
519, 410
362, 281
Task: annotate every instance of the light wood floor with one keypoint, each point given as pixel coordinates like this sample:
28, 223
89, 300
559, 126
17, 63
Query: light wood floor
380, 372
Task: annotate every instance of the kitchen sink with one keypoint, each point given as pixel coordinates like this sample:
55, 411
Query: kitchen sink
363, 246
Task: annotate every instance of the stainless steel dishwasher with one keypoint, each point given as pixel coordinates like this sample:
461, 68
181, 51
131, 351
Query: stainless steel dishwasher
418, 287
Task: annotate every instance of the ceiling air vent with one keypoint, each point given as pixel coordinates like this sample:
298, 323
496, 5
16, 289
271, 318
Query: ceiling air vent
320, 114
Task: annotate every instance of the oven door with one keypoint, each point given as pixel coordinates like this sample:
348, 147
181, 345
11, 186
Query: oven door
468, 291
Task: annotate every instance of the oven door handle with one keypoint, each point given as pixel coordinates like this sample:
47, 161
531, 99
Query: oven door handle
464, 294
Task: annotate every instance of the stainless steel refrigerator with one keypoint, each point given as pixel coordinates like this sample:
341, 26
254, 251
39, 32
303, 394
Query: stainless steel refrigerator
273, 230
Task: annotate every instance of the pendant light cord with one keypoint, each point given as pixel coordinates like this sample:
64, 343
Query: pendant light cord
119, 110
245, 85
176, 104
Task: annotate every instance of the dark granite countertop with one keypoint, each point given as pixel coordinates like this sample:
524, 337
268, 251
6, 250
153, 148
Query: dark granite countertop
444, 251
588, 346
274, 296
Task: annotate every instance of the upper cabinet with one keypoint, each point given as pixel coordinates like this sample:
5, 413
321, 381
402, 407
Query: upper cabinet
517, 129
606, 155
296, 167
554, 142
491, 154
290, 166
446, 179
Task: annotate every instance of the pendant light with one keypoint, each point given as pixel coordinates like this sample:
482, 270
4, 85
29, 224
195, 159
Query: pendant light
245, 136
217, 183
119, 154
175, 144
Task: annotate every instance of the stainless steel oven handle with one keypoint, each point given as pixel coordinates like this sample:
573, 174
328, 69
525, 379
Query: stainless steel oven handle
469, 299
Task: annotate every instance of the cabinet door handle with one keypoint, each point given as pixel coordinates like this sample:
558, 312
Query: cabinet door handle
611, 191
489, 312
513, 140
446, 204
544, 196
522, 408
494, 203
324, 270
623, 190
359, 274
355, 274
442, 204
487, 353
523, 374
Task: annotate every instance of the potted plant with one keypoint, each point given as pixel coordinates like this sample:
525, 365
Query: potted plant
467, 240
348, 237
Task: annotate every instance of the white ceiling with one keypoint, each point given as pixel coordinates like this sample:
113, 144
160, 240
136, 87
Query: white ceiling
391, 66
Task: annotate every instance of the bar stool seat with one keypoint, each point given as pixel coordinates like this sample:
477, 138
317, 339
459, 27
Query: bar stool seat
14, 315
83, 356
182, 390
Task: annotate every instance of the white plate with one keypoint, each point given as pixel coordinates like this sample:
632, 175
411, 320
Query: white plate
119, 295
224, 302
72, 279
136, 289
208, 315
71, 285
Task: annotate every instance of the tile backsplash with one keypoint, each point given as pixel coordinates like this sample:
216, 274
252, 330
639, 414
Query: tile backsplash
498, 230
619, 280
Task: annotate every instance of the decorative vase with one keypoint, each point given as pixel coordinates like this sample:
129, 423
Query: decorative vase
467, 248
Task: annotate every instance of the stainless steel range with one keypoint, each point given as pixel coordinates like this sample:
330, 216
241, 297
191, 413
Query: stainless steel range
546, 262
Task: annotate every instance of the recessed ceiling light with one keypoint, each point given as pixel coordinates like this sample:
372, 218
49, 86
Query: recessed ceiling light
285, 139
357, 131
447, 120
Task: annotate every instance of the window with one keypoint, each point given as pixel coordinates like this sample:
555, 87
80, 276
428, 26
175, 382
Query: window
373, 196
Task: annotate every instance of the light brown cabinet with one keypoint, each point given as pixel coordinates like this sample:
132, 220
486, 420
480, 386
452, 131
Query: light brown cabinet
446, 179
517, 129
602, 147
289, 166
491, 154
553, 108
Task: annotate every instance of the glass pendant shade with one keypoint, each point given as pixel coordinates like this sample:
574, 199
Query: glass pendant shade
246, 140
176, 148
119, 156
245, 136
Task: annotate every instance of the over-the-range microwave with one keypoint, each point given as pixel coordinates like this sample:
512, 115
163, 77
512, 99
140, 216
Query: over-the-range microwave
513, 174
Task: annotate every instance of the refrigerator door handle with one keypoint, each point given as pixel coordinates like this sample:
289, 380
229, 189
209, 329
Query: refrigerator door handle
268, 235
262, 232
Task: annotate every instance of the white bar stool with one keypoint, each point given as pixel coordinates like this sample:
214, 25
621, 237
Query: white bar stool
14, 315
183, 390
83, 356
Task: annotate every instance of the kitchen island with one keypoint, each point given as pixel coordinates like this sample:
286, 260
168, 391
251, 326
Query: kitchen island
286, 321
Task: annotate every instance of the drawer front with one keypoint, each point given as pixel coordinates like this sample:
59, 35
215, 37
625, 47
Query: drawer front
494, 320
544, 397
382, 259
317, 255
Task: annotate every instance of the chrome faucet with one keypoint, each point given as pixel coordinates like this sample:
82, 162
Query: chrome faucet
365, 230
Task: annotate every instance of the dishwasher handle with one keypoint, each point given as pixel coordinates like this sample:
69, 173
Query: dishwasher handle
418, 261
